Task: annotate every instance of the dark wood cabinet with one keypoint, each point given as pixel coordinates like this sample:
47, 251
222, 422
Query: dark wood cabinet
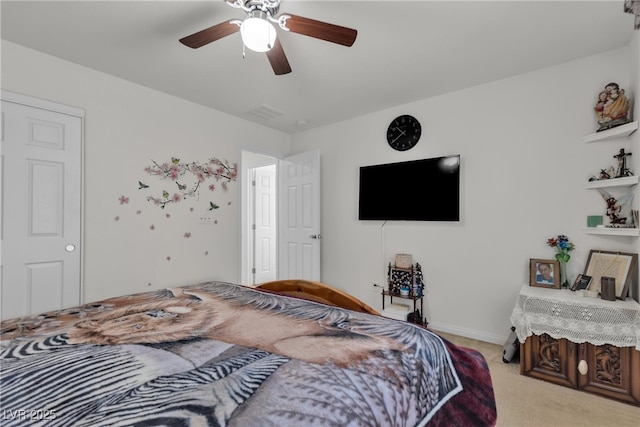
611, 371
550, 359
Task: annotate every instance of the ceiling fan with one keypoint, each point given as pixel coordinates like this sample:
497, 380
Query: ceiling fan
258, 33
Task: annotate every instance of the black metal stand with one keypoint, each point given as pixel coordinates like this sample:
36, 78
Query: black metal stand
420, 320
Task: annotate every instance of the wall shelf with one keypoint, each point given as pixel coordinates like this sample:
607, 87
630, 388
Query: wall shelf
609, 231
616, 132
623, 131
627, 181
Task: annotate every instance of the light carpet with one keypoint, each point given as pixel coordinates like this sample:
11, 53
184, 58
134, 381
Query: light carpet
528, 402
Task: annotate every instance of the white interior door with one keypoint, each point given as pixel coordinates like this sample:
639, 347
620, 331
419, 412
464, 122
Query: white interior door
41, 206
299, 217
265, 224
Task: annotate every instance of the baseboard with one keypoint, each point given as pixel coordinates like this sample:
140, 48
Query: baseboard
469, 333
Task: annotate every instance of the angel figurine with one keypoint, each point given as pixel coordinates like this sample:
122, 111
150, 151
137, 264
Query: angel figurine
614, 206
612, 107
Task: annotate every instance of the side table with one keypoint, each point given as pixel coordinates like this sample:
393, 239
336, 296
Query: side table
584, 343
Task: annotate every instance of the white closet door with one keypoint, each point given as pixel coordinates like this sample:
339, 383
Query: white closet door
41, 207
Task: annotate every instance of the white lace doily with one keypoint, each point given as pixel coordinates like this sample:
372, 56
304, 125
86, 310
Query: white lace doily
564, 314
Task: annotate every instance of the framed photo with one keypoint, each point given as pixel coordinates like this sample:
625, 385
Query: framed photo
619, 265
582, 282
544, 273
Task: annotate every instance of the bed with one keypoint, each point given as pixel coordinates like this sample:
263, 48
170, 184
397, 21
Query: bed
287, 353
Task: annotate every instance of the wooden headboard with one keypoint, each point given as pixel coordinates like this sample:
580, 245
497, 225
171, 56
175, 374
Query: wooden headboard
316, 291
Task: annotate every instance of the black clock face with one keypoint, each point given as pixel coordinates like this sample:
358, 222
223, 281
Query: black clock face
403, 133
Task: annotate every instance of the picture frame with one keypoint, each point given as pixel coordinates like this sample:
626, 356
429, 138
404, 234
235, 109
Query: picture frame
544, 273
619, 265
582, 282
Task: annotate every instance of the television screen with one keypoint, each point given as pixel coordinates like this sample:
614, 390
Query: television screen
418, 190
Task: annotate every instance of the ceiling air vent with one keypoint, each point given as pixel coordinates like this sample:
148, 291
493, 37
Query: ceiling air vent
264, 112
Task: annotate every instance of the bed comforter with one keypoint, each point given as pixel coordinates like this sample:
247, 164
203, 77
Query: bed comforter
218, 354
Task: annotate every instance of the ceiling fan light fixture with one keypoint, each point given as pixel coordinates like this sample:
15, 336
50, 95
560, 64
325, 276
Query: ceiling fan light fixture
257, 33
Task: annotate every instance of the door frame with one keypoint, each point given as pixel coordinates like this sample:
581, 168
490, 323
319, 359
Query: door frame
55, 107
249, 160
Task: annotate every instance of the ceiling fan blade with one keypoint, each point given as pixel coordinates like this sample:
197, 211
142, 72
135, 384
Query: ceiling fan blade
321, 30
210, 34
278, 59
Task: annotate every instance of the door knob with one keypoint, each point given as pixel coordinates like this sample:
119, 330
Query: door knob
316, 236
70, 248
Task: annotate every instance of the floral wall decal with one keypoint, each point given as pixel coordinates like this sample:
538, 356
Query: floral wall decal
168, 184
188, 176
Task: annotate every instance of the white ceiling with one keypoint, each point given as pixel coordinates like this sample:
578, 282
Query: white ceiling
405, 50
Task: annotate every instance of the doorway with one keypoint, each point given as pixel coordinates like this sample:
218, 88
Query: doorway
259, 218
280, 217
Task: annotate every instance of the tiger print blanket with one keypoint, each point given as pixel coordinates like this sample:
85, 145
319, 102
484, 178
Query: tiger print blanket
218, 354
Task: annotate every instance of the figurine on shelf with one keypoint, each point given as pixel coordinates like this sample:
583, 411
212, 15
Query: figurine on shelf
622, 164
614, 207
604, 174
419, 284
612, 107
633, 6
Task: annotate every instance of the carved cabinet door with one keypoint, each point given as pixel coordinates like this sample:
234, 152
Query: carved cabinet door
550, 359
612, 371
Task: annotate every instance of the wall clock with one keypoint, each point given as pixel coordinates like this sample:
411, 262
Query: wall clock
404, 132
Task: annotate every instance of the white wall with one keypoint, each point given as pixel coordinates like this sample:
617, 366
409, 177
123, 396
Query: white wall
523, 161
128, 126
523, 170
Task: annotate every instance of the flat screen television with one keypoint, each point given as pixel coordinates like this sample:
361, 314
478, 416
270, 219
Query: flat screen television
417, 190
